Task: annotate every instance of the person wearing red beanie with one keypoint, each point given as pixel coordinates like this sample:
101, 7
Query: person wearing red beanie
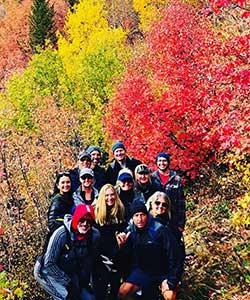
64, 271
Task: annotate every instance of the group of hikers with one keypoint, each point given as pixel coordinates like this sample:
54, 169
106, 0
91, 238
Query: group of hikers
114, 233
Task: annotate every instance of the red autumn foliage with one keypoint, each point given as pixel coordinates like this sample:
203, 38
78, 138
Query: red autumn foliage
188, 94
216, 5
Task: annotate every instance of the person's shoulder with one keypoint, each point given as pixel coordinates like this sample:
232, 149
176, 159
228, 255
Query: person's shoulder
135, 160
61, 233
95, 233
74, 171
99, 169
155, 222
155, 174
56, 197
111, 165
175, 176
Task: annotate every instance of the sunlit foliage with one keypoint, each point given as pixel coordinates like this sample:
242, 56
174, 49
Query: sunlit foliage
190, 99
92, 56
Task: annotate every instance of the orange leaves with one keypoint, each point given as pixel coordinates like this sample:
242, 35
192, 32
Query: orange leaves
14, 33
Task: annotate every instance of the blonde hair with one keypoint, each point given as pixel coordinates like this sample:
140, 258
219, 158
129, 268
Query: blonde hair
155, 197
117, 212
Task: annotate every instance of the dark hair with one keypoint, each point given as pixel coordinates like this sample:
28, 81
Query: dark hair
58, 177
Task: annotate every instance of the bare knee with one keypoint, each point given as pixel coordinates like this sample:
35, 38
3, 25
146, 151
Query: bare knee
127, 289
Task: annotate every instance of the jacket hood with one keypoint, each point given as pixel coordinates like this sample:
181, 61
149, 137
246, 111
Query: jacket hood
67, 221
81, 211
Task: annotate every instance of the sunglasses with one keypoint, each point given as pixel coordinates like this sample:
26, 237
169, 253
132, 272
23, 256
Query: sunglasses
85, 159
84, 220
127, 180
163, 204
86, 177
143, 173
63, 173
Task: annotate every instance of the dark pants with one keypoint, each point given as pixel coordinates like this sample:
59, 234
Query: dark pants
79, 287
102, 278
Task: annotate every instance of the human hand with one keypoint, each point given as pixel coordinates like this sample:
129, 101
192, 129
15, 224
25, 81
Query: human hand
166, 292
121, 238
169, 295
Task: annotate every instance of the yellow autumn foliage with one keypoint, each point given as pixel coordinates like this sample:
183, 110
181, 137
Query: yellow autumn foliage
92, 55
241, 217
148, 10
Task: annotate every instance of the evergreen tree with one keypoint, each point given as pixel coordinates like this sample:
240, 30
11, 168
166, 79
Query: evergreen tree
72, 3
42, 25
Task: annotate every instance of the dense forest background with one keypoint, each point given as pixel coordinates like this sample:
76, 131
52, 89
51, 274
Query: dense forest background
159, 75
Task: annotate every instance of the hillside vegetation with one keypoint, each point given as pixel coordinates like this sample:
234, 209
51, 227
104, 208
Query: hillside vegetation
159, 75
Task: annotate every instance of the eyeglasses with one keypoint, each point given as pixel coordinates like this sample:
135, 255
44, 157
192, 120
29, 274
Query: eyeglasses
163, 204
84, 220
84, 177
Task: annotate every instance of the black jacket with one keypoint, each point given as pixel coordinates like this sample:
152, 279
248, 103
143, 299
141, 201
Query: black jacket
114, 168
75, 179
145, 191
99, 173
60, 206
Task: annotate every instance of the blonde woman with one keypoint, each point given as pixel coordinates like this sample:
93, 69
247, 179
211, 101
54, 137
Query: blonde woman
159, 206
110, 219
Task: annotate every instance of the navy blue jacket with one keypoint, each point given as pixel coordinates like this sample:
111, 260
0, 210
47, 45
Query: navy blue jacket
154, 251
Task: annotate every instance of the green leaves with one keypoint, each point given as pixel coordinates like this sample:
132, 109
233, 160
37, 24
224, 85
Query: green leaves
42, 25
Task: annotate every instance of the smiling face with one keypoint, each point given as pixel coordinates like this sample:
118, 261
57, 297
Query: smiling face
84, 162
162, 164
110, 197
140, 219
142, 178
64, 185
95, 157
86, 180
127, 184
119, 154
84, 225
159, 206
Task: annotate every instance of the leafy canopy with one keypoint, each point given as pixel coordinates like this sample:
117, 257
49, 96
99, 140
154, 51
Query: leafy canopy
187, 94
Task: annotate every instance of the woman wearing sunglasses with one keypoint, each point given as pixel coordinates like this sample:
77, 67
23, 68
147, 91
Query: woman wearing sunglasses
159, 206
